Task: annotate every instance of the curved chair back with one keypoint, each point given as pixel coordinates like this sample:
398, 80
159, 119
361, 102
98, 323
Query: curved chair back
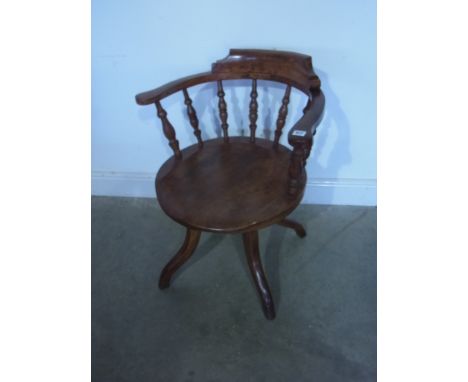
292, 69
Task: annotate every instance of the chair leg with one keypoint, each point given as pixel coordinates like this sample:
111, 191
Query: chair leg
300, 231
185, 252
255, 265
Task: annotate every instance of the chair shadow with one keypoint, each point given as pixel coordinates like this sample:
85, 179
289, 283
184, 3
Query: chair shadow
338, 157
270, 260
238, 109
148, 114
203, 102
339, 154
202, 97
238, 244
200, 252
266, 104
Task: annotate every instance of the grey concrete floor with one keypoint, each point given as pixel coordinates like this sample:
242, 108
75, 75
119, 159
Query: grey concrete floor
209, 325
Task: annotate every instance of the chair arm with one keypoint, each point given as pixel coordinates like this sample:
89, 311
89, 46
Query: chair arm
304, 129
300, 137
159, 93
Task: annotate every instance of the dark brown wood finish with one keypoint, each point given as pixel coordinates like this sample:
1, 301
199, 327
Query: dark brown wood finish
238, 184
300, 231
283, 112
222, 110
258, 275
253, 107
192, 238
168, 130
192, 114
232, 187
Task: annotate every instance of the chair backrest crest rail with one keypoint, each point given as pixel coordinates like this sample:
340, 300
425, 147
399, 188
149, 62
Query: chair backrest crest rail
287, 67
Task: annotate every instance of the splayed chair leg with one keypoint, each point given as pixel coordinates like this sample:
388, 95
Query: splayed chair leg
255, 265
185, 252
300, 231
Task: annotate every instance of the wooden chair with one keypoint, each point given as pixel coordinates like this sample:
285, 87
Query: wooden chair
238, 184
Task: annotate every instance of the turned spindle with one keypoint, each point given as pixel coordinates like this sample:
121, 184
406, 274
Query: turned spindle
192, 114
223, 110
283, 112
253, 115
168, 130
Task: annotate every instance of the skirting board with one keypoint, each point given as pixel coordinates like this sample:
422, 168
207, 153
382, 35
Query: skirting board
359, 192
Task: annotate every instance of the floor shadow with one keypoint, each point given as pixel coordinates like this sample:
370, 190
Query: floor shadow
200, 252
238, 244
271, 262
269, 257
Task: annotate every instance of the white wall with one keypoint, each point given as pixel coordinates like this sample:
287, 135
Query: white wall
138, 45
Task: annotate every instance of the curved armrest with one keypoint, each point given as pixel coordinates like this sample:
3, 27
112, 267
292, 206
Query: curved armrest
304, 129
157, 94
301, 137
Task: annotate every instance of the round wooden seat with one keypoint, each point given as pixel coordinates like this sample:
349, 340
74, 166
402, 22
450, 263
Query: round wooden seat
227, 187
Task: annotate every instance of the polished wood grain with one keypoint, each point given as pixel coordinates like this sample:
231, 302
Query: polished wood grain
253, 108
168, 130
290, 68
222, 110
238, 184
192, 115
256, 269
286, 67
309, 121
297, 174
282, 114
227, 187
